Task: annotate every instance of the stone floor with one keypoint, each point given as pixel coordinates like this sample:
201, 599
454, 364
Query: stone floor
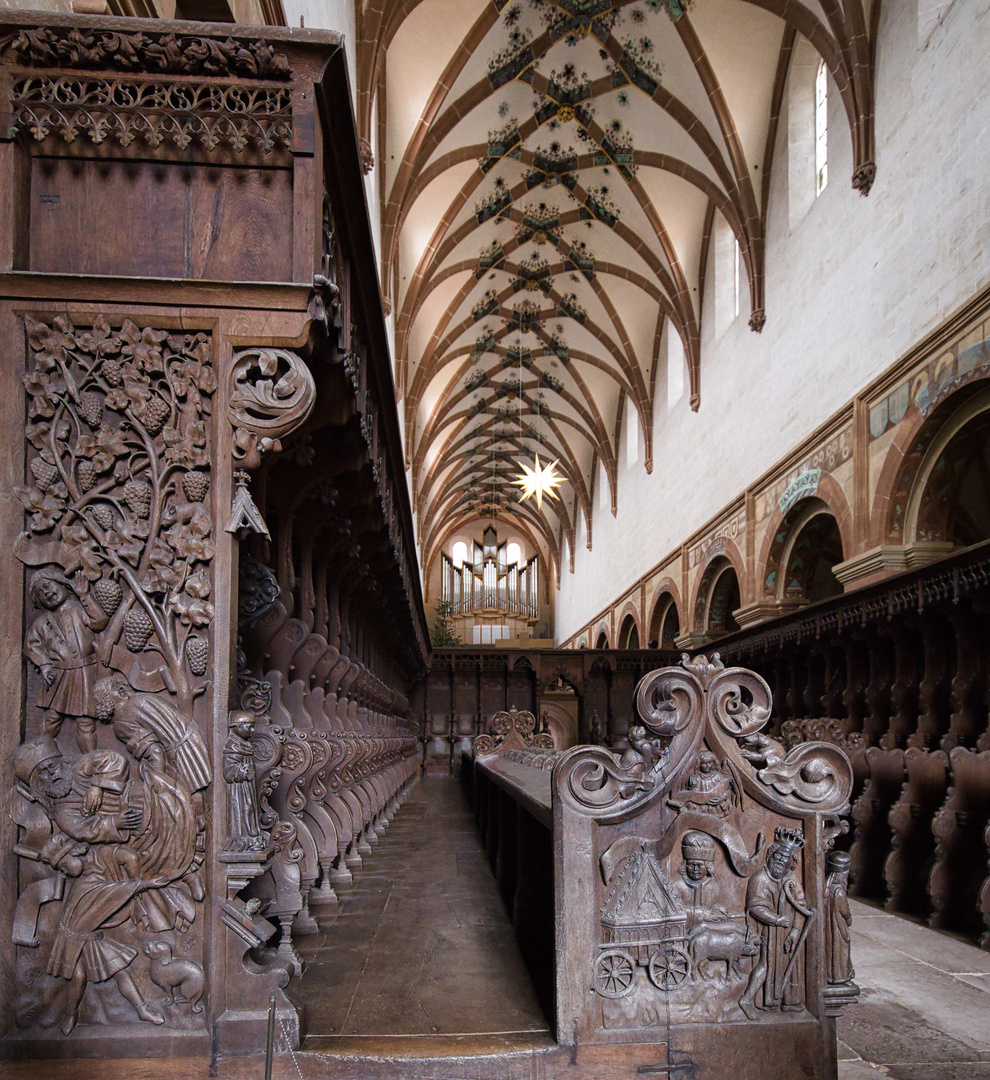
924, 1010
420, 946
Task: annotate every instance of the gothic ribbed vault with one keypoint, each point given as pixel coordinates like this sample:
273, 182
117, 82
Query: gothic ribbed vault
552, 172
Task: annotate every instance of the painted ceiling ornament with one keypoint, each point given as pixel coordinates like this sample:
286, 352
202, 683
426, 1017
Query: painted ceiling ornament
539, 481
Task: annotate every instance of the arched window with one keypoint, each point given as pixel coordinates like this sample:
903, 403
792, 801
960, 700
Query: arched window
632, 433
821, 128
459, 553
513, 554
736, 260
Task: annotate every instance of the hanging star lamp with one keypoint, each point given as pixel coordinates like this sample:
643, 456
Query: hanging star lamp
539, 481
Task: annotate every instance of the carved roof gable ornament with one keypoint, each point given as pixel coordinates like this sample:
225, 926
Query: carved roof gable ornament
512, 730
245, 517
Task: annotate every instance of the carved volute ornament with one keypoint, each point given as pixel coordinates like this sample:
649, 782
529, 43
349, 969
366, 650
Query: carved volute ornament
709, 842
270, 394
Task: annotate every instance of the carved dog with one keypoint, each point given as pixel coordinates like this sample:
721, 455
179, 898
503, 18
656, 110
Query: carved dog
721, 944
171, 973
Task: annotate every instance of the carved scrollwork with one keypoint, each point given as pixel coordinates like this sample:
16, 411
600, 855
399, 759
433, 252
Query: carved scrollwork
258, 590
512, 730
270, 394
592, 779
666, 699
174, 54
815, 774
728, 690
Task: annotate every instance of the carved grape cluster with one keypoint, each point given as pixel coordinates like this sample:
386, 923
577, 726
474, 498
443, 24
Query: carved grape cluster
118, 471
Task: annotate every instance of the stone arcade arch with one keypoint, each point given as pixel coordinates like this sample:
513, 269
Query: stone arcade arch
718, 598
803, 549
629, 633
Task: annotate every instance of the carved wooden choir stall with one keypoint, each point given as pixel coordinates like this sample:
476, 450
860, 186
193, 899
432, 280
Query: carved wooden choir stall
702, 922
896, 674
213, 615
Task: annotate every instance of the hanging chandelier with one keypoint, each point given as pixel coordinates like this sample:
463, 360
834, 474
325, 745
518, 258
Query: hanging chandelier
539, 481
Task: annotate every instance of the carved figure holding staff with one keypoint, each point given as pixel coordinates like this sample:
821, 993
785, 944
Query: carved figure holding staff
777, 910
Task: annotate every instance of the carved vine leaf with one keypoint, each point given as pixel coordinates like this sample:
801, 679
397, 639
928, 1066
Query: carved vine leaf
180, 54
118, 472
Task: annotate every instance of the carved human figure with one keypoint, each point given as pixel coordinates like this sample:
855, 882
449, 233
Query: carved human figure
596, 730
154, 731
776, 909
244, 833
709, 790
61, 643
642, 749
173, 765
90, 845
697, 889
838, 957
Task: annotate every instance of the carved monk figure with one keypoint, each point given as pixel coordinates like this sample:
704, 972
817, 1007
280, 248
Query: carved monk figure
697, 890
154, 731
776, 909
90, 845
709, 790
838, 957
244, 833
62, 645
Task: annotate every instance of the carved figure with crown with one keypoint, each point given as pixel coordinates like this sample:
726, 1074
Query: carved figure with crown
776, 907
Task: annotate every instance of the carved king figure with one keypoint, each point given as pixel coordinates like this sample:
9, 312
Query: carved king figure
776, 905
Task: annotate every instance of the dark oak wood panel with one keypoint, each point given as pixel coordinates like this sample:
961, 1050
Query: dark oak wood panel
160, 219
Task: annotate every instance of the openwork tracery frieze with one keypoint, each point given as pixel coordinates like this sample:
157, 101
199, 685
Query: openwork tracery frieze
153, 112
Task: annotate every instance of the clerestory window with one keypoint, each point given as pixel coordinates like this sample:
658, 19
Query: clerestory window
821, 128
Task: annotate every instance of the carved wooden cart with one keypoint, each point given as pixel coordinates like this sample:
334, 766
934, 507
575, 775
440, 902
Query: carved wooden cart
660, 947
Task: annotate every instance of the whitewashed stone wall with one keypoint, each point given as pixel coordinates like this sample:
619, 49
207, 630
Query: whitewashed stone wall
852, 284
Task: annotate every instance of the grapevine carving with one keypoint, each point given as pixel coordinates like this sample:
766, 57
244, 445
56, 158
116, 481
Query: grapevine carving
119, 482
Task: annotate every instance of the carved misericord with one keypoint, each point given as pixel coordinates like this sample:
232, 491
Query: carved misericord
700, 918
237, 117
118, 550
270, 394
173, 54
512, 730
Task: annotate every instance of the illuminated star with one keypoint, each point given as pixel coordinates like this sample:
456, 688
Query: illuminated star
539, 482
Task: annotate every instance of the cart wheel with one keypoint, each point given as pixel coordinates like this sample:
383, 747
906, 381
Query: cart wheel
669, 967
614, 973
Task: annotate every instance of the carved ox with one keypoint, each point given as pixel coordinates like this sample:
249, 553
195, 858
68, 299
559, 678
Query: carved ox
714, 944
